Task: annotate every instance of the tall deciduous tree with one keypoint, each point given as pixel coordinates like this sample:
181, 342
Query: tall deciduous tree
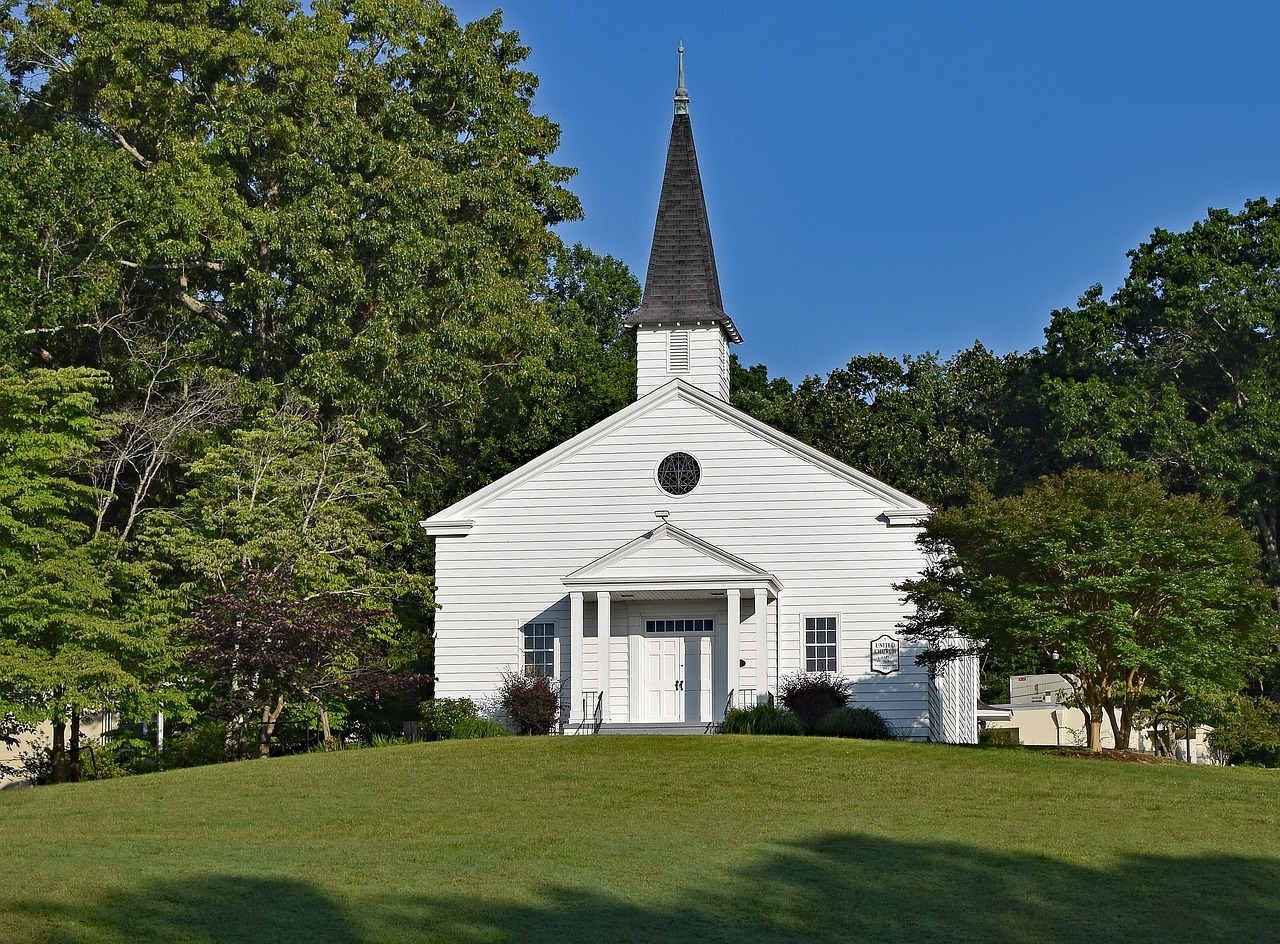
81, 626
1128, 590
292, 494
354, 198
1179, 372
935, 429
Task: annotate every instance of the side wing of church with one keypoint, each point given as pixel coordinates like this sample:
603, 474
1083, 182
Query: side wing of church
680, 557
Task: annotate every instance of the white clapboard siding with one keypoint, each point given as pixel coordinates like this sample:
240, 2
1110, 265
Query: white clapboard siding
818, 528
696, 354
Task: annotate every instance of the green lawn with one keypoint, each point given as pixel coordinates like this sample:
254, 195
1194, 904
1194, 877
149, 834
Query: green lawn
708, 839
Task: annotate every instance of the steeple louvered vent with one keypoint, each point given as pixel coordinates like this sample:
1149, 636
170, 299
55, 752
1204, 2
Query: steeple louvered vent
678, 352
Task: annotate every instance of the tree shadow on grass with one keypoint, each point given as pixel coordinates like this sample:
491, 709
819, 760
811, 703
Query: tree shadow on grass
836, 888
205, 909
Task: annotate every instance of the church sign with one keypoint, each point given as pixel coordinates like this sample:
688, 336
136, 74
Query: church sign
884, 655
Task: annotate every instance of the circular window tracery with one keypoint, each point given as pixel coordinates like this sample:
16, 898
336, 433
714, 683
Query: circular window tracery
679, 473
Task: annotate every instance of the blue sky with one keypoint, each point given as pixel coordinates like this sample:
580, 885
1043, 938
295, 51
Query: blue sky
907, 177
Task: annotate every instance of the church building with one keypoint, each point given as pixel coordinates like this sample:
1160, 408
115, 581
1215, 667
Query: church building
680, 557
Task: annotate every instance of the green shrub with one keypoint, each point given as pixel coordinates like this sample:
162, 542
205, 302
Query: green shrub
998, 737
474, 727
531, 702
440, 716
199, 745
100, 763
864, 723
1246, 731
384, 740
762, 719
814, 695
132, 750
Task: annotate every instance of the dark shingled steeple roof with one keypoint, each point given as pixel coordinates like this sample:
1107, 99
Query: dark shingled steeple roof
682, 285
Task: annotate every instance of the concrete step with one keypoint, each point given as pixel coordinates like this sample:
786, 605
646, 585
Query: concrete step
625, 728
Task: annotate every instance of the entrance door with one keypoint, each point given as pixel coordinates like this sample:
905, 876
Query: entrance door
678, 678
664, 679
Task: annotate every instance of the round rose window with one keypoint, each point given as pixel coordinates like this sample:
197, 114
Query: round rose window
678, 473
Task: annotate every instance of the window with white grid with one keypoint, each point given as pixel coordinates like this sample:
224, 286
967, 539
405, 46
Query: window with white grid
820, 644
539, 649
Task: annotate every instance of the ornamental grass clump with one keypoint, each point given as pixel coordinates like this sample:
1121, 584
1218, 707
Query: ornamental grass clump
530, 702
866, 723
761, 719
814, 695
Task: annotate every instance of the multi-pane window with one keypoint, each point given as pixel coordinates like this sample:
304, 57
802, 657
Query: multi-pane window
539, 649
820, 644
679, 626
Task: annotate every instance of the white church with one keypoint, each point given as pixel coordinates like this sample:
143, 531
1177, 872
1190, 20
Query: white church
681, 557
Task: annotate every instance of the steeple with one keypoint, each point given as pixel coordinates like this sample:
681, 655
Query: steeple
681, 326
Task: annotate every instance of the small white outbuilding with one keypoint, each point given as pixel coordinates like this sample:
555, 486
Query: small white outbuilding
681, 557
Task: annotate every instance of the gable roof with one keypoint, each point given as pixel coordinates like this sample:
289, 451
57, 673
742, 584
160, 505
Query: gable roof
668, 556
682, 285
455, 520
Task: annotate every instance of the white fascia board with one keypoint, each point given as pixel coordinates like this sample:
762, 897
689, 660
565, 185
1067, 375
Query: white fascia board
905, 517
616, 585
445, 528
597, 568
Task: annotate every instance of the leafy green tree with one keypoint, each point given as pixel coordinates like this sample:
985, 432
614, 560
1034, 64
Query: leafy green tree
1179, 373
1246, 730
82, 627
590, 297
292, 494
935, 429
588, 374
1130, 592
753, 391
354, 199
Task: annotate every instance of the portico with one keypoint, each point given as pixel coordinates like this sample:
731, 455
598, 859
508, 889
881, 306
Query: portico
679, 626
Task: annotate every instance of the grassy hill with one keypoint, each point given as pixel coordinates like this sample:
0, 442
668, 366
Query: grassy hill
721, 839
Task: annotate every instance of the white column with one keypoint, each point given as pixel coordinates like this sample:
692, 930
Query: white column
604, 626
575, 656
762, 644
733, 628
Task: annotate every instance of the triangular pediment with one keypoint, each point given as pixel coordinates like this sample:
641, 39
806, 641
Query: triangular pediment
456, 519
668, 556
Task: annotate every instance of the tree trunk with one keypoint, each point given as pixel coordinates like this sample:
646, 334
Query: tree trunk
1095, 732
73, 768
58, 754
1119, 736
268, 727
237, 737
325, 732
1127, 711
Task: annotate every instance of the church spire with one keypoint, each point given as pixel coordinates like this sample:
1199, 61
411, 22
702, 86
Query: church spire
682, 287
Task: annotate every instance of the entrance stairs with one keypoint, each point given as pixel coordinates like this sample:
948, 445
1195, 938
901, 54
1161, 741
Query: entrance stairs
702, 727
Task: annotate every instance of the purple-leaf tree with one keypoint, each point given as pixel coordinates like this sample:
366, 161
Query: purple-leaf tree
262, 645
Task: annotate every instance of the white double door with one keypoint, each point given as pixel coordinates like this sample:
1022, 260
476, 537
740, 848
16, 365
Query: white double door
677, 677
